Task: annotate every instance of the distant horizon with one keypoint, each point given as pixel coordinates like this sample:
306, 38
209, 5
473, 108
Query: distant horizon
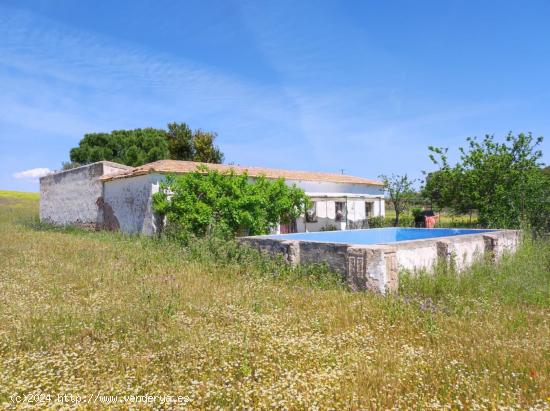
314, 86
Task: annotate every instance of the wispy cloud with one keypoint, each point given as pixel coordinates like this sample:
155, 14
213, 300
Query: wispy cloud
61, 82
33, 173
100, 73
333, 104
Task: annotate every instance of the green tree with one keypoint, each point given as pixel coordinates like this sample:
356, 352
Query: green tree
130, 147
207, 200
502, 180
180, 141
140, 146
400, 190
443, 190
204, 149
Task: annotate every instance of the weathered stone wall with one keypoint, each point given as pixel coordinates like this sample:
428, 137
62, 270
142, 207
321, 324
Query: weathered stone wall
502, 242
73, 197
288, 249
417, 255
333, 255
372, 268
460, 251
129, 201
362, 267
376, 267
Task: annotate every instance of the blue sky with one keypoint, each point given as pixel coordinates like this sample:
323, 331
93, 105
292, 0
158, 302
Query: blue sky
362, 86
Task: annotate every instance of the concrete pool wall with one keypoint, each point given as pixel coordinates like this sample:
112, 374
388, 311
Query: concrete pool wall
376, 267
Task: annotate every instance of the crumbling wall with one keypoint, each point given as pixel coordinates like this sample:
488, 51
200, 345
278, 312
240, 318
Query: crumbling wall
460, 251
70, 197
130, 203
370, 268
376, 267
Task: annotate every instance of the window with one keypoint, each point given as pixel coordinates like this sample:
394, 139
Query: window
340, 206
311, 214
368, 209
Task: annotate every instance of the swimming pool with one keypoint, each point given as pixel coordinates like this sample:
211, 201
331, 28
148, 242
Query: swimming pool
376, 235
371, 259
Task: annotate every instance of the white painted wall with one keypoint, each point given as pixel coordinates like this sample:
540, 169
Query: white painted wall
130, 199
131, 202
354, 194
70, 197
75, 196
465, 253
464, 250
355, 212
421, 257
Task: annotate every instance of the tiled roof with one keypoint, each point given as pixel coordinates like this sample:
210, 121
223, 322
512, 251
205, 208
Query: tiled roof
179, 167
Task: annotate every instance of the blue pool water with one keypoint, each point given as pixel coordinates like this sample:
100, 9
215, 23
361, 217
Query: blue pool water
376, 235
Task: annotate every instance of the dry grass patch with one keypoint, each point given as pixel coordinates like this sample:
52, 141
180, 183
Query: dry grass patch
97, 313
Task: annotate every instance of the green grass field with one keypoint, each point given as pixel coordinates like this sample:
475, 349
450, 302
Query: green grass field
96, 313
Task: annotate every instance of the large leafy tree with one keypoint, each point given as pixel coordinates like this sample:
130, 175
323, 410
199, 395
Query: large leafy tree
444, 190
130, 147
140, 146
205, 200
503, 181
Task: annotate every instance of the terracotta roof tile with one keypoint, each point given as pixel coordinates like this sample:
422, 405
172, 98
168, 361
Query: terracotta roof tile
179, 167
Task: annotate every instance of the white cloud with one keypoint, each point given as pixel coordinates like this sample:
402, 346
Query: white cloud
33, 173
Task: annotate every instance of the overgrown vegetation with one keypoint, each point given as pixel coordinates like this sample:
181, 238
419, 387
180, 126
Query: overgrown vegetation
89, 313
483, 284
210, 202
502, 181
140, 146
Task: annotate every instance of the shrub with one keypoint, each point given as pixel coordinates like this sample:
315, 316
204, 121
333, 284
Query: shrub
329, 227
214, 251
405, 220
207, 201
377, 222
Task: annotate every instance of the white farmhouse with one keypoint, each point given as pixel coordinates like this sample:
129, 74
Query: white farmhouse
117, 197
